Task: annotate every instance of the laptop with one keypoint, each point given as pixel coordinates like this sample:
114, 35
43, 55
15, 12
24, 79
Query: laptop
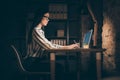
87, 39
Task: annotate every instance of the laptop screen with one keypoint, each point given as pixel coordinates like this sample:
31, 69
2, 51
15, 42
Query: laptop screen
87, 38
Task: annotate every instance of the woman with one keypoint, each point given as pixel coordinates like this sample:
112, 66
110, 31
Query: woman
38, 43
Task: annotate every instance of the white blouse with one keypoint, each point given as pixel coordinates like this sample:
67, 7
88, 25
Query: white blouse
39, 44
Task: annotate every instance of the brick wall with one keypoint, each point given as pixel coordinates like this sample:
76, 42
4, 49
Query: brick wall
108, 42
110, 35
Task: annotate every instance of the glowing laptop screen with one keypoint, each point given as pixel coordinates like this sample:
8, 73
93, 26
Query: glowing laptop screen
87, 37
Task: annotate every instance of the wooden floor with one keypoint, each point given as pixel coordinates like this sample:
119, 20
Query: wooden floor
112, 78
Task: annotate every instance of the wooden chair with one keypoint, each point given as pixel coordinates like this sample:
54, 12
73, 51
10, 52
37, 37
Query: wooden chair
25, 73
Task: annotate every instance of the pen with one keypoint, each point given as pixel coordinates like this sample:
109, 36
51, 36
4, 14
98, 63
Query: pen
74, 41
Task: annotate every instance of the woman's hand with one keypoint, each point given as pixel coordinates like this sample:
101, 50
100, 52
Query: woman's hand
74, 46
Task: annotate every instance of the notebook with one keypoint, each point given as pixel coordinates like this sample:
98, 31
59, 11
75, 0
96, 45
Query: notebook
87, 39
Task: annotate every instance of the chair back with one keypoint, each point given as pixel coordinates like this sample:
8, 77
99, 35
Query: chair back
18, 58
21, 68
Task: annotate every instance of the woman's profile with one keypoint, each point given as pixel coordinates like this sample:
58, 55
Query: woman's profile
37, 44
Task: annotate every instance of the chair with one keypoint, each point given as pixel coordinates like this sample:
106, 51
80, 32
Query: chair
25, 72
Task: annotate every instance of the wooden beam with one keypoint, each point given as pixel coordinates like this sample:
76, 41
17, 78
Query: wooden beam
95, 24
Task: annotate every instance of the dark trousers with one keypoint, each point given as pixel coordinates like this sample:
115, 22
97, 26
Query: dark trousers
43, 65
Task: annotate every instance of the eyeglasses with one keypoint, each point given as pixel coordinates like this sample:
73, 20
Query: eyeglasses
47, 18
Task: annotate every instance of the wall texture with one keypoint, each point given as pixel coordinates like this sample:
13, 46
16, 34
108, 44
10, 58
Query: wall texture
110, 35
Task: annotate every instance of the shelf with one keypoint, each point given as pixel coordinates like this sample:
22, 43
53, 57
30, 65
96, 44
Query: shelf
55, 37
58, 10
74, 37
65, 20
57, 1
70, 23
58, 20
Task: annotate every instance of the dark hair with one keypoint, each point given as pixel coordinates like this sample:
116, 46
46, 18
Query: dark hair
37, 18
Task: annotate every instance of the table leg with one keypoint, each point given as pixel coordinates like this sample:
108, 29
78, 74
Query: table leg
78, 65
52, 65
98, 64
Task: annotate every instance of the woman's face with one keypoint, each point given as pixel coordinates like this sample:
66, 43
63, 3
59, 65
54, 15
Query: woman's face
45, 19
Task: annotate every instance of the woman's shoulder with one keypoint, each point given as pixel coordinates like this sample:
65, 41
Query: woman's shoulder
38, 31
37, 28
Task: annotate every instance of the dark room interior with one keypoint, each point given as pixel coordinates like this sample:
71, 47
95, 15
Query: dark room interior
69, 21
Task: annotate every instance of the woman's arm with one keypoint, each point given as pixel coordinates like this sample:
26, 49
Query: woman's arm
39, 36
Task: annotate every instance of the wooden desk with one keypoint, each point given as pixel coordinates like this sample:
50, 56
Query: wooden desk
98, 59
